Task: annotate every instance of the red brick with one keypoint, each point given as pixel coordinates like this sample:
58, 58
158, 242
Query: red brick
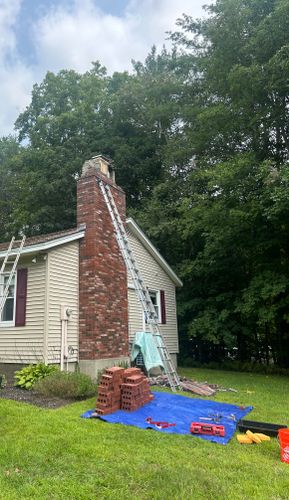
128, 407
134, 379
132, 371
105, 388
116, 372
106, 411
107, 400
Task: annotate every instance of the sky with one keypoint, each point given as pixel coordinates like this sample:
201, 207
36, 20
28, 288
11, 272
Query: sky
37, 36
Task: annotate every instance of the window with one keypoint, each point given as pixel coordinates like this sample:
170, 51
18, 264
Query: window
14, 311
159, 303
8, 313
155, 298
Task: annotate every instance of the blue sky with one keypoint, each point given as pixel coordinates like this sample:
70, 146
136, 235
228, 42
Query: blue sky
37, 36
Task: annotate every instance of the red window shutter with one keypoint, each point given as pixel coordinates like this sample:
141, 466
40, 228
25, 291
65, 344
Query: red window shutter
163, 308
21, 295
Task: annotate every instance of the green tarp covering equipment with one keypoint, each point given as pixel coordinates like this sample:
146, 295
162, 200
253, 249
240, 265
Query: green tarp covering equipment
145, 344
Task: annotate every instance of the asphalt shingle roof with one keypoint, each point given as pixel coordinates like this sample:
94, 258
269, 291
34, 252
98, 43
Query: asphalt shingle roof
41, 238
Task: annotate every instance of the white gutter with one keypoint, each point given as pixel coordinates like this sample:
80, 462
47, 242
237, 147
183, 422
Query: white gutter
41, 247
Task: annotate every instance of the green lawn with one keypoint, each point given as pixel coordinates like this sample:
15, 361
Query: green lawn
54, 454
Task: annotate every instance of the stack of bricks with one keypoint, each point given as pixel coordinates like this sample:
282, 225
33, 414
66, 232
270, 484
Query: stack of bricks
109, 391
122, 389
135, 390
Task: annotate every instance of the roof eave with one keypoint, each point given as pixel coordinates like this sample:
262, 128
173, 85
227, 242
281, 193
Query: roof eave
47, 245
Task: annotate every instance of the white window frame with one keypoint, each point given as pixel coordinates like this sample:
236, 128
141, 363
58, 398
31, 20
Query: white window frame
4, 324
159, 312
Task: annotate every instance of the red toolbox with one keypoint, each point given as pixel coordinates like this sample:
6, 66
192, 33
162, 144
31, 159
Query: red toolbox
208, 429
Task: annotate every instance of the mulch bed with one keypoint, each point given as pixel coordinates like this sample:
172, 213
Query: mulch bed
32, 397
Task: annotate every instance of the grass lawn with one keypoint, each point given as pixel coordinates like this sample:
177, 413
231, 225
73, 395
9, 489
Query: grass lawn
54, 454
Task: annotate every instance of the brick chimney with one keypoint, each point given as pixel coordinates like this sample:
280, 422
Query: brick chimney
103, 303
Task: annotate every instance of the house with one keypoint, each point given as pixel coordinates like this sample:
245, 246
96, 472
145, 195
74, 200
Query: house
71, 294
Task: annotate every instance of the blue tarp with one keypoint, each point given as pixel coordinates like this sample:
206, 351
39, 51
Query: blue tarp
181, 410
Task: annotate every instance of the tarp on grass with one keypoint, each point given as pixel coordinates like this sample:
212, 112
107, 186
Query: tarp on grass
181, 410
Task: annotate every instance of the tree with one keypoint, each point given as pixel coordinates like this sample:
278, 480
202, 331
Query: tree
9, 186
71, 117
241, 55
229, 233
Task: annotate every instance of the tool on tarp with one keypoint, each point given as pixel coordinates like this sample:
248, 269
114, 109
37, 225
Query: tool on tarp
159, 425
207, 429
217, 417
214, 417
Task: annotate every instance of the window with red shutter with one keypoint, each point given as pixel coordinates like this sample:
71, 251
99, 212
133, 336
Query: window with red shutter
159, 303
7, 316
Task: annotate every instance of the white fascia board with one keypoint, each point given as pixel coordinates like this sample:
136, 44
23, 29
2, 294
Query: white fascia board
136, 231
47, 245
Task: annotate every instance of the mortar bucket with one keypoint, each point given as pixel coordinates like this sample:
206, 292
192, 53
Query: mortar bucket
283, 436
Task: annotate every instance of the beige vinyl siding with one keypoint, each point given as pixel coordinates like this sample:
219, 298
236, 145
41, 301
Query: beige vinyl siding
135, 315
156, 279
63, 286
25, 344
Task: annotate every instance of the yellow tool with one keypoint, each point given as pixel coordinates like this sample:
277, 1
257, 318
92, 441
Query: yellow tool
252, 437
243, 439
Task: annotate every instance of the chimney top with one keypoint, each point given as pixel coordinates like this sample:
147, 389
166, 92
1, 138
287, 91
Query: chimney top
99, 163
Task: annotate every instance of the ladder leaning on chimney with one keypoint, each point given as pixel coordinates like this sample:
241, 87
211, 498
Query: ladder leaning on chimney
140, 288
4, 290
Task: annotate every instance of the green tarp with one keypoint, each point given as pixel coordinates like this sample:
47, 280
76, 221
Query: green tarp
144, 343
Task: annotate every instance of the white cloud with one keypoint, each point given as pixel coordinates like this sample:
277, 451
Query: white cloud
9, 10
15, 86
74, 36
15, 79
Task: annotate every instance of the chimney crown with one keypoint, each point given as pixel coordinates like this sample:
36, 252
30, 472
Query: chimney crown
100, 164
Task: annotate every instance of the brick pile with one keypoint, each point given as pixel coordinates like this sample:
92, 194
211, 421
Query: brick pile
121, 389
135, 391
109, 391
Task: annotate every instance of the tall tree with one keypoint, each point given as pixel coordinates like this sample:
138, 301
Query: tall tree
241, 52
229, 224
9, 184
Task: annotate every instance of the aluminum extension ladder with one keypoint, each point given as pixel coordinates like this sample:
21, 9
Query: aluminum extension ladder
13, 262
140, 288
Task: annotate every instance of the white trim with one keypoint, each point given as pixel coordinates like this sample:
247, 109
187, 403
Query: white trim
135, 229
46, 310
40, 247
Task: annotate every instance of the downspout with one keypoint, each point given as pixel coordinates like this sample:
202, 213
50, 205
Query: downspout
65, 316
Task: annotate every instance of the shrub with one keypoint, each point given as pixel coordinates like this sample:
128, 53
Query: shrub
3, 381
29, 375
67, 385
